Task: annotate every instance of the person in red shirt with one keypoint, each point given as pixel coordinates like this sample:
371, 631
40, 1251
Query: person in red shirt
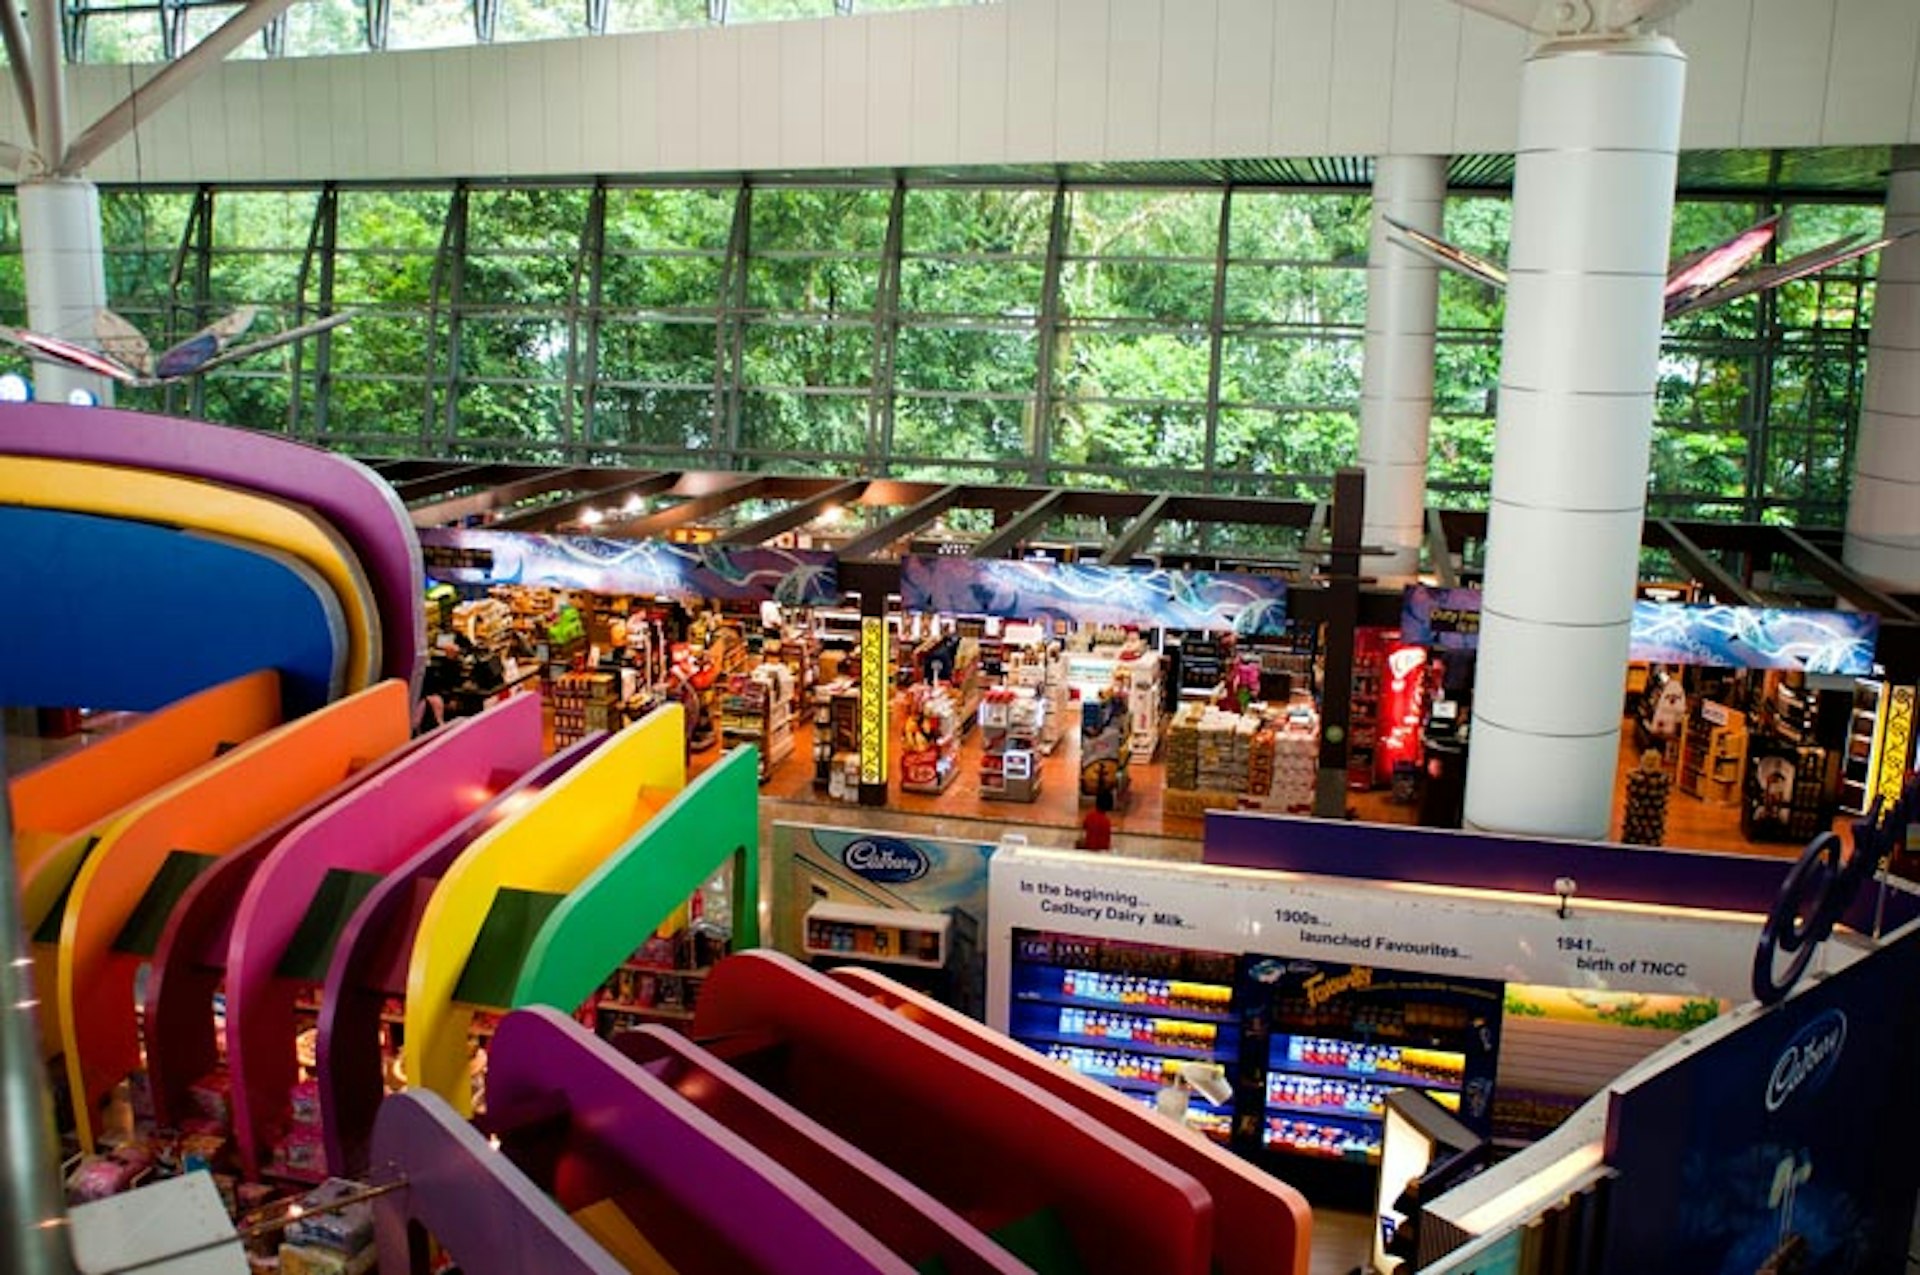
1097, 832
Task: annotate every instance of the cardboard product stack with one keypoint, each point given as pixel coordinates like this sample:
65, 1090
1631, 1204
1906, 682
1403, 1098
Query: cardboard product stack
1226, 740
1292, 748
1183, 746
583, 703
327, 1239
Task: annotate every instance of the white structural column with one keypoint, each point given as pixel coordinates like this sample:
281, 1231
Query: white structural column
1883, 514
1592, 217
66, 276
1396, 389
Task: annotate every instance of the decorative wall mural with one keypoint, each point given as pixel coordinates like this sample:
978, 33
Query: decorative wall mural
792, 577
1839, 642
1250, 605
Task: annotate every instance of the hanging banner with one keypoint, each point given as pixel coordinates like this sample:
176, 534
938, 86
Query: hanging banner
1083, 593
1837, 642
650, 568
1448, 619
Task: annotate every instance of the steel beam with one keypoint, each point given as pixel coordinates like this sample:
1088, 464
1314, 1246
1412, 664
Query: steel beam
1440, 551
158, 91
547, 517
20, 63
898, 528
45, 47
797, 515
1138, 533
1006, 540
1829, 571
1701, 565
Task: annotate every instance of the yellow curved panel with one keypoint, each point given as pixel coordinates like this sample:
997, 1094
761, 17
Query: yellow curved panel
551, 847
148, 496
212, 811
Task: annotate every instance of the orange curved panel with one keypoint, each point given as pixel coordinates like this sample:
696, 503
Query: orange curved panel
210, 812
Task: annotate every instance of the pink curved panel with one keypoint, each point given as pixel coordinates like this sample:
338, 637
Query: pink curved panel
190, 960
986, 1143
603, 1127
357, 501
374, 830
370, 964
1262, 1226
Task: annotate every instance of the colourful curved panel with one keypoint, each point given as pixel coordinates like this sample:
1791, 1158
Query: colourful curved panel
206, 610
911, 1223
190, 960
987, 1144
377, 828
561, 837
210, 812
60, 799
705, 1199
357, 501
196, 505
596, 927
484, 1211
370, 965
1262, 1226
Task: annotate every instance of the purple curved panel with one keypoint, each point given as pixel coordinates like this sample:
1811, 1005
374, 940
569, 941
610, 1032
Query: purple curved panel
190, 961
370, 961
605, 1127
381, 825
483, 1210
899, 1214
357, 501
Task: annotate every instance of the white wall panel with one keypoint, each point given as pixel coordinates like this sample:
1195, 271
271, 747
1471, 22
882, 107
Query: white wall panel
381, 86
1018, 81
1786, 71
1714, 34
803, 84
1487, 85
487, 73
889, 89
1870, 70
1080, 85
1303, 76
638, 125
845, 139
1133, 79
676, 102
718, 54
600, 91
452, 112
1243, 75
349, 121
760, 95
1426, 69
565, 106
982, 131
935, 116
1032, 36
1361, 104
1188, 30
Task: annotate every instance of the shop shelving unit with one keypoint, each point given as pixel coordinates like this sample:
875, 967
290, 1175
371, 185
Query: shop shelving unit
1012, 721
1713, 752
756, 709
930, 769
836, 727
878, 936
1861, 760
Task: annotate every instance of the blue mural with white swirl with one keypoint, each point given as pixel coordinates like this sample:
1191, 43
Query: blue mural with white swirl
1083, 593
652, 568
1840, 642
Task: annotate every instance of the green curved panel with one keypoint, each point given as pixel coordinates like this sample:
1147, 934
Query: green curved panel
611, 913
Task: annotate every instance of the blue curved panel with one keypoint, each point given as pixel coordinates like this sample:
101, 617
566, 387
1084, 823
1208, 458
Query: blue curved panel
127, 615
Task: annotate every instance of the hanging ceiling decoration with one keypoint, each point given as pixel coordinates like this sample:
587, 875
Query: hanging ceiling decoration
124, 355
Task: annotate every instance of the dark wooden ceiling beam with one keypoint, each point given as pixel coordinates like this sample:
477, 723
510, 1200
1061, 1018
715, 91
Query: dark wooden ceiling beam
903, 524
560, 513
539, 482
1698, 563
710, 501
797, 515
1007, 538
1138, 533
453, 478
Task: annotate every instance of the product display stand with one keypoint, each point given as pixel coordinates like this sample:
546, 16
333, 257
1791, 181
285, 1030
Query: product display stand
1865, 729
1012, 721
757, 709
1713, 753
836, 738
929, 756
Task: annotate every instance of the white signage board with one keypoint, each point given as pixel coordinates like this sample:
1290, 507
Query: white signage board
1516, 938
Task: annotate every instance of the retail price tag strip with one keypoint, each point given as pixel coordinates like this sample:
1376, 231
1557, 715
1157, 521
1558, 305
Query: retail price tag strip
1510, 937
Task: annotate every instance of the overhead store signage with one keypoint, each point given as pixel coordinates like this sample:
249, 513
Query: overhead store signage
1838, 642
650, 568
1083, 593
1448, 619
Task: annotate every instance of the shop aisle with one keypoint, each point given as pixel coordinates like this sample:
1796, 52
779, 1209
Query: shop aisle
1694, 823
